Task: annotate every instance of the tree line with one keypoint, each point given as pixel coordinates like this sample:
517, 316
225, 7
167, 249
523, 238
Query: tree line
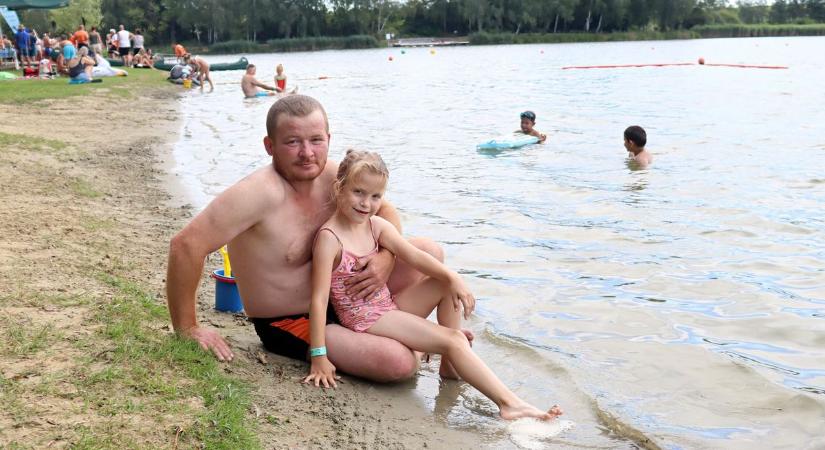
209, 22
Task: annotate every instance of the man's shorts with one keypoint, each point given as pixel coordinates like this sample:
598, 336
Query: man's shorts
123, 51
287, 335
26, 53
136, 50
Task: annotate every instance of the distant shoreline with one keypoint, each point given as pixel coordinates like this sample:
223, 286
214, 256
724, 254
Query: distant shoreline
368, 41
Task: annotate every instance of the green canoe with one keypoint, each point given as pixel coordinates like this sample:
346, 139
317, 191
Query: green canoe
167, 64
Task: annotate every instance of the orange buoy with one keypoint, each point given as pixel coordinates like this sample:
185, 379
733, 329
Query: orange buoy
701, 60
390, 58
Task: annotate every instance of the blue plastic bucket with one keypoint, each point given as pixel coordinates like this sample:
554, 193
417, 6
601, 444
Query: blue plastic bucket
227, 298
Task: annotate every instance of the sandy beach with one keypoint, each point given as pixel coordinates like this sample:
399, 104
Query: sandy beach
81, 209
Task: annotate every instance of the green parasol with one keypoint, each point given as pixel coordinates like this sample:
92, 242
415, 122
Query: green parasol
34, 4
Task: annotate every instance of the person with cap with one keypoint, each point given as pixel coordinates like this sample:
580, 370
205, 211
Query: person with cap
528, 121
111, 43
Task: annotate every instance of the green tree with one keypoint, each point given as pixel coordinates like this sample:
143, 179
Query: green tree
87, 12
753, 12
779, 12
816, 10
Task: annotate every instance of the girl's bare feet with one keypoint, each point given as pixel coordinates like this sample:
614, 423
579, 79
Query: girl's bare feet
526, 410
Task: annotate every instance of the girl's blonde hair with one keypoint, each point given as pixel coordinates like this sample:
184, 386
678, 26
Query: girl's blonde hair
356, 162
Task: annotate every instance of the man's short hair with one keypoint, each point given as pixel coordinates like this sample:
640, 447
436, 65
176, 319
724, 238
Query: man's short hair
294, 105
636, 135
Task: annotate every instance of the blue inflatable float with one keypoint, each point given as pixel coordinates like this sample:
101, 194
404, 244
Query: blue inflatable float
514, 140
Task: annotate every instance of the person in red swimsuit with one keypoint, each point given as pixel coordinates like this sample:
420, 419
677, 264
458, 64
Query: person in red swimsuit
354, 230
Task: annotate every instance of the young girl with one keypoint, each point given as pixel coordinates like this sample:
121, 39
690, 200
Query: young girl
280, 78
353, 232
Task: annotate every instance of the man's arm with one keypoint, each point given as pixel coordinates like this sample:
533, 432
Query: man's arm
234, 211
263, 86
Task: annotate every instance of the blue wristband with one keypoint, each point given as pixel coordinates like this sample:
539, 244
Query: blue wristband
318, 351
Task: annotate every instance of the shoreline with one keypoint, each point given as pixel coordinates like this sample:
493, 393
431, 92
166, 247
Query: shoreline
485, 38
95, 211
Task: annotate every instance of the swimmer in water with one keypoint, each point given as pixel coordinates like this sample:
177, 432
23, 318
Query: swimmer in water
635, 139
528, 121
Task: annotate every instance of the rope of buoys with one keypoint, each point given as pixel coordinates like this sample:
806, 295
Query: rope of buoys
701, 62
619, 66
747, 66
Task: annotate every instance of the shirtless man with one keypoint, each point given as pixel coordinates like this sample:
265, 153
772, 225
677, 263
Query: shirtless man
269, 220
200, 66
250, 85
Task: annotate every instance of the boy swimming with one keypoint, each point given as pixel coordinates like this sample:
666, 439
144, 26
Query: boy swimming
528, 121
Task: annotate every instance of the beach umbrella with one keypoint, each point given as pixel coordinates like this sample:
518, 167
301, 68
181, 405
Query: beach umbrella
8, 8
34, 4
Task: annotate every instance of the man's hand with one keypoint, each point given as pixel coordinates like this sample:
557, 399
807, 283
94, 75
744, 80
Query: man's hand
372, 276
209, 340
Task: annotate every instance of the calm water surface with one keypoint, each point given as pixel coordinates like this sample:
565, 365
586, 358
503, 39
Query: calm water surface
684, 304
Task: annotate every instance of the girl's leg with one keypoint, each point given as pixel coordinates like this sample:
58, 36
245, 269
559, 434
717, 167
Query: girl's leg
423, 335
420, 299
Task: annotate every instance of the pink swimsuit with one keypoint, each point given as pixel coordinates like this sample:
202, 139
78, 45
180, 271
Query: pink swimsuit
357, 315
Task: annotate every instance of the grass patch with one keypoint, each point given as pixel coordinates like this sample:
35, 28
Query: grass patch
40, 300
29, 91
22, 141
95, 224
83, 188
164, 372
23, 339
10, 401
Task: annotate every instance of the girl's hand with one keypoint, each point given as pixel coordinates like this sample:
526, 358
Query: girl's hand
461, 295
322, 372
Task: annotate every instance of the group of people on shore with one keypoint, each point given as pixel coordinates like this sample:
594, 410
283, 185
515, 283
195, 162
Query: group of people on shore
128, 46
192, 68
77, 54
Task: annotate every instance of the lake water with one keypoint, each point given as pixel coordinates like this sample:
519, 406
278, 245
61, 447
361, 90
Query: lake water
684, 304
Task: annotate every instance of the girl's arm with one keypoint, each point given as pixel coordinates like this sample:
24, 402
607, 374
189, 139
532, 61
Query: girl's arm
321, 371
392, 240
